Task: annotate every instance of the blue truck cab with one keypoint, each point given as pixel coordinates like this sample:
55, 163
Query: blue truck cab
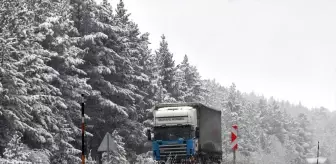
175, 133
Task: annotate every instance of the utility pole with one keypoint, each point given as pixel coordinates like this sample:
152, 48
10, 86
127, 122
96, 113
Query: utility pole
318, 150
83, 131
108, 148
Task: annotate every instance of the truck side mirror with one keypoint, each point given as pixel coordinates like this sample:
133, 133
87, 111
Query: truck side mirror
197, 132
149, 135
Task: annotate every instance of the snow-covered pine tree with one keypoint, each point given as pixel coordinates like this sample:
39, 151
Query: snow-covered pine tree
30, 101
331, 126
98, 37
39, 156
153, 89
197, 87
278, 152
131, 78
167, 69
15, 149
233, 104
194, 91
248, 129
149, 87
320, 120
4, 129
278, 121
184, 82
181, 87
216, 94
291, 153
121, 14
111, 66
304, 136
59, 36
64, 152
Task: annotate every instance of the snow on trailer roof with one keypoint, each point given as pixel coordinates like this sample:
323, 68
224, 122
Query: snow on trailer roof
191, 104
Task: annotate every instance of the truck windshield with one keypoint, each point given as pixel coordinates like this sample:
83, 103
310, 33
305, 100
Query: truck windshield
172, 132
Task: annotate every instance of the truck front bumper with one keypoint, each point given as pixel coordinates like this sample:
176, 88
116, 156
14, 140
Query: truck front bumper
180, 149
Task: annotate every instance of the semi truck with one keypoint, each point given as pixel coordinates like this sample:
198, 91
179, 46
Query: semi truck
186, 132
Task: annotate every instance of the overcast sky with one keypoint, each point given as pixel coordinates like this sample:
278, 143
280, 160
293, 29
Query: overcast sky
280, 48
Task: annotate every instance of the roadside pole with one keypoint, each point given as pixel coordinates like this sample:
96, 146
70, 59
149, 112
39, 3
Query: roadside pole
234, 142
318, 150
234, 136
83, 132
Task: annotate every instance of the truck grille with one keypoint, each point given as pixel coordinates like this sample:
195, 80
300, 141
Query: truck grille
176, 150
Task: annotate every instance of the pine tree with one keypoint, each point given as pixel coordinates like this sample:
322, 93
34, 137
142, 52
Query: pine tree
249, 129
114, 60
30, 101
167, 69
65, 153
135, 49
106, 69
198, 90
181, 87
60, 37
233, 104
15, 148
121, 14
304, 136
191, 87
216, 94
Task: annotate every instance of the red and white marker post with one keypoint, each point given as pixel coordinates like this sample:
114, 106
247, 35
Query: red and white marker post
234, 141
83, 132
